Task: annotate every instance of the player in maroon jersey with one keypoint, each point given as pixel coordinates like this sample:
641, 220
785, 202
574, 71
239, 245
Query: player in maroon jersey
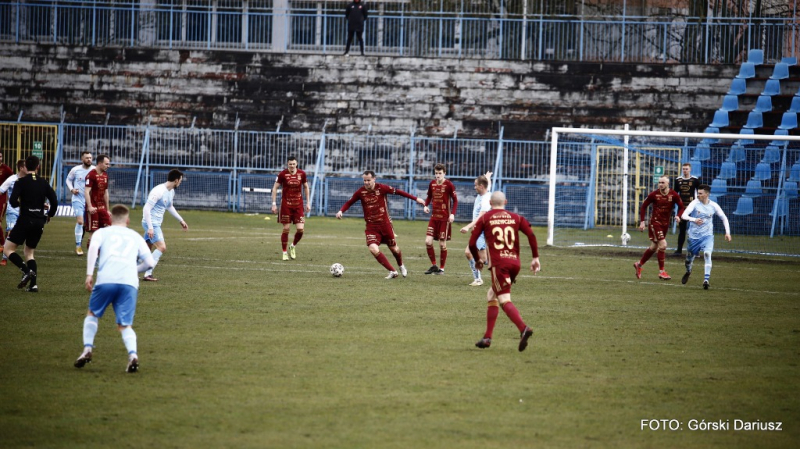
5, 173
379, 229
501, 231
294, 182
663, 200
443, 201
96, 192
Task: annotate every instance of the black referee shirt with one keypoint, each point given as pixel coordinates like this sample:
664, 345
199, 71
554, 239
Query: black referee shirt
686, 188
30, 193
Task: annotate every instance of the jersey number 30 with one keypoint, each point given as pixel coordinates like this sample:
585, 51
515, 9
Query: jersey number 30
504, 238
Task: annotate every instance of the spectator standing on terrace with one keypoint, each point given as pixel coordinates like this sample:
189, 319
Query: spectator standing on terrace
356, 14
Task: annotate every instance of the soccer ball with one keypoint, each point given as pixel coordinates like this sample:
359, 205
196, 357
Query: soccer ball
337, 270
625, 238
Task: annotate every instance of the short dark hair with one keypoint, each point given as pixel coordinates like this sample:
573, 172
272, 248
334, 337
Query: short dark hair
705, 187
686, 164
119, 211
440, 167
369, 172
101, 158
483, 181
174, 175
85, 152
291, 158
32, 162
20, 164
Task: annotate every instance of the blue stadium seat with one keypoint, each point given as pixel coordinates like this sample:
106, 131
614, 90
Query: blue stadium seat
702, 152
755, 120
755, 56
790, 60
795, 107
780, 132
753, 188
719, 187
763, 104
736, 154
721, 118
730, 103
743, 142
789, 121
744, 206
747, 70
794, 172
780, 72
763, 172
773, 87
738, 87
790, 189
727, 170
710, 130
782, 205
697, 168
771, 155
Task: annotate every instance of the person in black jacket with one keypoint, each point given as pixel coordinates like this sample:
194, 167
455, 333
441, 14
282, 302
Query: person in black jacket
356, 14
686, 185
29, 195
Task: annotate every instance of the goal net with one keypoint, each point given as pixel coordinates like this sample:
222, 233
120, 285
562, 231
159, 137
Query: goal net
599, 178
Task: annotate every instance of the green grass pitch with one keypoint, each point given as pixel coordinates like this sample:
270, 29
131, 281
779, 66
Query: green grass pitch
240, 349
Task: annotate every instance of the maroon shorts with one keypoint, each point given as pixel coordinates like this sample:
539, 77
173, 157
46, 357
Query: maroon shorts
100, 219
380, 233
503, 277
657, 231
439, 229
291, 214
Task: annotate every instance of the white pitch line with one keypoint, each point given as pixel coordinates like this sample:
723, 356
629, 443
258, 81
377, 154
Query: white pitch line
360, 269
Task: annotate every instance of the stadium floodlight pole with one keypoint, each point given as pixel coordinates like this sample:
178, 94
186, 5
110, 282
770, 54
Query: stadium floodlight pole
556, 131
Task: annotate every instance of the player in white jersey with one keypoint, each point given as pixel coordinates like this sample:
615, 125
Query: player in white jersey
76, 182
481, 206
158, 202
12, 213
115, 249
700, 215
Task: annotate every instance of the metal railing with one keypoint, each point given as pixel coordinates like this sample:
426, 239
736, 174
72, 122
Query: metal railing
234, 170
404, 33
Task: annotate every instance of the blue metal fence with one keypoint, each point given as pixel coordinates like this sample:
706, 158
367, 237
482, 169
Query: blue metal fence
229, 170
402, 33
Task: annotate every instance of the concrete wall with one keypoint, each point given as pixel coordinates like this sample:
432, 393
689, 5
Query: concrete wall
394, 95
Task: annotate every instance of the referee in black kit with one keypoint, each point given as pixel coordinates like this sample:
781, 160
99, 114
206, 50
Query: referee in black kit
30, 193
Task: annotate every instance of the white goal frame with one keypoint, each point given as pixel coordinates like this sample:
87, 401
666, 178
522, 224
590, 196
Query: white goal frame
626, 133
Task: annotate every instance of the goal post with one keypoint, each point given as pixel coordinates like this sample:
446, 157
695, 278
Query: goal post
598, 179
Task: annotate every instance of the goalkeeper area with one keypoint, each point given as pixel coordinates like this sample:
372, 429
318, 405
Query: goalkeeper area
599, 179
